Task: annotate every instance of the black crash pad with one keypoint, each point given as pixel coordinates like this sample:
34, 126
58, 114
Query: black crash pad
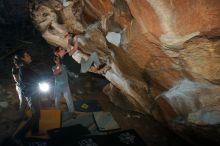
122, 138
71, 132
83, 118
93, 140
126, 138
36, 142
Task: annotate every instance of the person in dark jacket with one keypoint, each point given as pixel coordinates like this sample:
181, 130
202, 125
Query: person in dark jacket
15, 75
29, 77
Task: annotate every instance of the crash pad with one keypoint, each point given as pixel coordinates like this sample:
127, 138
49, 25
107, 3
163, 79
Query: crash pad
69, 119
126, 138
122, 138
71, 132
36, 142
83, 105
83, 118
105, 121
93, 140
49, 119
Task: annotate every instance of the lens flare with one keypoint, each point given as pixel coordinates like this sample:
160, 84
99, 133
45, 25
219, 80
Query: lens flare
44, 87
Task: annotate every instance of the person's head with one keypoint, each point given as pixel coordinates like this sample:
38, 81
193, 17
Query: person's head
23, 56
58, 51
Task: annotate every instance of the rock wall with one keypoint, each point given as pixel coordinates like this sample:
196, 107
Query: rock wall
163, 55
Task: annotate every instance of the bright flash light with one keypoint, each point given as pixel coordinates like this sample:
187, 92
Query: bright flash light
44, 87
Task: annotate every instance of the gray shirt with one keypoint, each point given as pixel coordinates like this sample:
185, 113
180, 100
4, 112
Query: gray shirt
61, 79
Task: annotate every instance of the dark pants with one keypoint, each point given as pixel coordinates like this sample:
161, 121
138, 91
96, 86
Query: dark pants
34, 104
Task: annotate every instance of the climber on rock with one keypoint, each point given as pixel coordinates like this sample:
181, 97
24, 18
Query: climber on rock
92, 62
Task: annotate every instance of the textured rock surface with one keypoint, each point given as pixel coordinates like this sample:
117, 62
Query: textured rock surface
167, 62
9, 115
